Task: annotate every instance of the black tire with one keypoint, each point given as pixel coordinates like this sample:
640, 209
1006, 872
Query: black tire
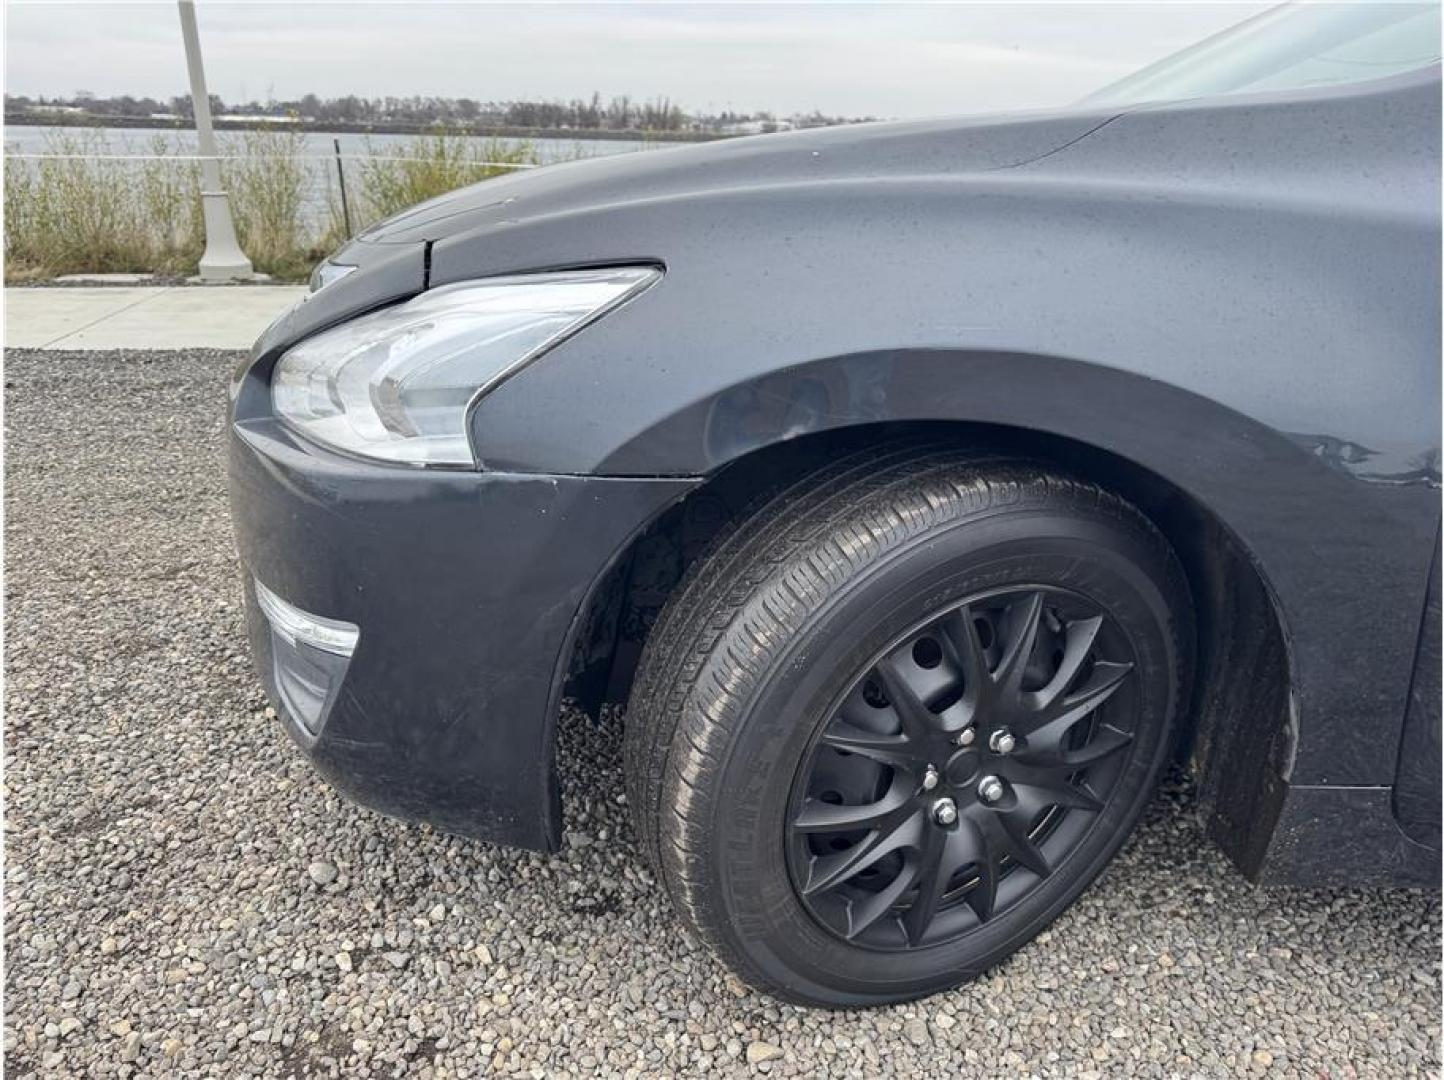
740, 692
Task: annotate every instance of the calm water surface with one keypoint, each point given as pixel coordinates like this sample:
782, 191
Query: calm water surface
320, 187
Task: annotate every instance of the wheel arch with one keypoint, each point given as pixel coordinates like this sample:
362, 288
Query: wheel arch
1239, 733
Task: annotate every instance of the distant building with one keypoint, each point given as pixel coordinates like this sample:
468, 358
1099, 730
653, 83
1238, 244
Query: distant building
756, 127
263, 118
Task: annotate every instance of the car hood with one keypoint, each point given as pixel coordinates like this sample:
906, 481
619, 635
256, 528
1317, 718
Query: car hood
849, 152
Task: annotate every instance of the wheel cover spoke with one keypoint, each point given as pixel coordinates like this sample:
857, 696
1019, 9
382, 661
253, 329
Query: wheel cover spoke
866, 910
983, 894
961, 633
820, 816
1019, 843
886, 749
1054, 787
912, 711
1022, 622
903, 829
971, 758
943, 855
1080, 637
1105, 741
1054, 719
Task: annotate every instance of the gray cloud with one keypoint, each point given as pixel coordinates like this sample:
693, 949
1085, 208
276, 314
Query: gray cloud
883, 59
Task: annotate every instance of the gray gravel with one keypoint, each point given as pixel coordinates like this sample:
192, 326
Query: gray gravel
184, 895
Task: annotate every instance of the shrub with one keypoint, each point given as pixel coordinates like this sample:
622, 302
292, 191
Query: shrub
431, 165
78, 211
266, 174
82, 209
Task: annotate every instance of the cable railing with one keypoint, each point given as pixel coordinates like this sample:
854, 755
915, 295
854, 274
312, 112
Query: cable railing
241, 157
97, 203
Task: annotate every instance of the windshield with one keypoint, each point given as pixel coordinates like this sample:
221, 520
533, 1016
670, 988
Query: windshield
1288, 48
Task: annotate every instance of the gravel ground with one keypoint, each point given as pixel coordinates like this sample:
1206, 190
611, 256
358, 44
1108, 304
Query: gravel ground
184, 895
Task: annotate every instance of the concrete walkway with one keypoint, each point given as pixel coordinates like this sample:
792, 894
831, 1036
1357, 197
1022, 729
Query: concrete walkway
143, 317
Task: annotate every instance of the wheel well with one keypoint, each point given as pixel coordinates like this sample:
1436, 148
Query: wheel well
1238, 730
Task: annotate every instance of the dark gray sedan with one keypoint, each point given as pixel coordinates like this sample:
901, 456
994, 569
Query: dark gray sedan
923, 488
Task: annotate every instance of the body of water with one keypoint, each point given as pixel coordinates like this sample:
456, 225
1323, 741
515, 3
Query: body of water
40, 139
320, 190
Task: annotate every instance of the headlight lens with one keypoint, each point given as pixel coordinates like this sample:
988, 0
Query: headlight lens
396, 385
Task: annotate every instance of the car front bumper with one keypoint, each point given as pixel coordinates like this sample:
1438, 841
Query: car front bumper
465, 589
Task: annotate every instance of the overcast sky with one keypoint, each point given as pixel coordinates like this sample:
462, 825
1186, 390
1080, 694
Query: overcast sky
880, 59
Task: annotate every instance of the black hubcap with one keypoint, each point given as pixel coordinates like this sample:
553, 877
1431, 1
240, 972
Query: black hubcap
961, 769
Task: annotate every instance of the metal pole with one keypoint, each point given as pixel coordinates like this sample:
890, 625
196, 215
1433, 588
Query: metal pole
223, 259
341, 176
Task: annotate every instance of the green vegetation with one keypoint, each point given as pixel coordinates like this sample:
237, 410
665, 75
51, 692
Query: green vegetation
79, 211
267, 183
431, 165
83, 212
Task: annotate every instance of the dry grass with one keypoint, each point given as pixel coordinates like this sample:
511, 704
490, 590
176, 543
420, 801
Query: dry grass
267, 182
431, 165
84, 213
77, 211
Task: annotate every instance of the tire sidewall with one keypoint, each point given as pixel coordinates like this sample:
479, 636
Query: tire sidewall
1113, 566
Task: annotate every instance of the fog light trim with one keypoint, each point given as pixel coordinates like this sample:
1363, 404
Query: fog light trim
297, 627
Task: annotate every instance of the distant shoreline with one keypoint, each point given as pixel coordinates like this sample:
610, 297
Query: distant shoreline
485, 131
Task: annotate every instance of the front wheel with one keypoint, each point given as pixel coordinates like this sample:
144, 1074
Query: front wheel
901, 715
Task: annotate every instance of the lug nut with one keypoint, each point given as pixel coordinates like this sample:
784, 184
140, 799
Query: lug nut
1002, 741
990, 789
945, 811
966, 737
930, 779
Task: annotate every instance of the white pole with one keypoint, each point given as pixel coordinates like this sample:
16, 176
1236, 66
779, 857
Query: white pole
223, 259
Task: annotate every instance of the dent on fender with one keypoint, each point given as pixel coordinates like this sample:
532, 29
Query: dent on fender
797, 402
1396, 466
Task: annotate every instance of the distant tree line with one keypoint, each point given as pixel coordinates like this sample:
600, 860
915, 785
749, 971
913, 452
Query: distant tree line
619, 113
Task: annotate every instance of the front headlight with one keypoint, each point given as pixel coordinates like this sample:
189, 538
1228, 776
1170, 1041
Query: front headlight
397, 385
